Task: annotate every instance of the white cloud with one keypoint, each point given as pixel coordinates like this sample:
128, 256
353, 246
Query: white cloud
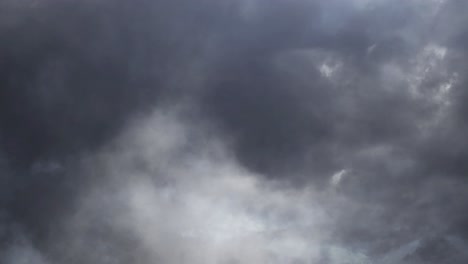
204, 207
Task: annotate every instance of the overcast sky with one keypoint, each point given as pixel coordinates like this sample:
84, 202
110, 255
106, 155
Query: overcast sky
233, 131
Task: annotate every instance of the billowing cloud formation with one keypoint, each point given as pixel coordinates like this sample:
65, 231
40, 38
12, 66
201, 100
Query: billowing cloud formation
249, 131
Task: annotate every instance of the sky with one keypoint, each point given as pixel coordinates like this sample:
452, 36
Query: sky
233, 131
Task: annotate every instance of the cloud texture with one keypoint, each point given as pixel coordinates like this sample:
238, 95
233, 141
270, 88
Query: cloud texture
246, 131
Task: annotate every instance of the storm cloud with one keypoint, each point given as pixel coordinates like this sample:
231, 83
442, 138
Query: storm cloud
247, 131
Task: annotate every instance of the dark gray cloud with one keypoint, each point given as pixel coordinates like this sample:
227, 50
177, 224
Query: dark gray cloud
116, 118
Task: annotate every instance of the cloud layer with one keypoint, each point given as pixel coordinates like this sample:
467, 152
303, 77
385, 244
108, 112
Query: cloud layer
247, 131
